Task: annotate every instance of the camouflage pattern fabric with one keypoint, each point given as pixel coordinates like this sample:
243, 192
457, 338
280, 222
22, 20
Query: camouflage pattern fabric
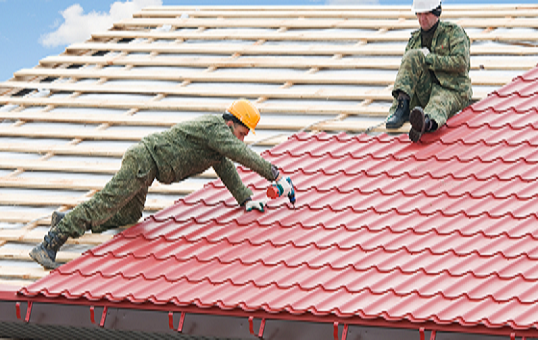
121, 201
449, 59
186, 149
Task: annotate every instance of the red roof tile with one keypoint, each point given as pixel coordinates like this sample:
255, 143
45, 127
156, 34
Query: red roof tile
442, 231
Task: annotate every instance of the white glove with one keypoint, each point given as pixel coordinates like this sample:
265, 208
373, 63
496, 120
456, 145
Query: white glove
285, 185
258, 205
425, 51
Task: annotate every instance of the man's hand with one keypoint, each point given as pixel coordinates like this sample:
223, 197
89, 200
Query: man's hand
425, 51
258, 205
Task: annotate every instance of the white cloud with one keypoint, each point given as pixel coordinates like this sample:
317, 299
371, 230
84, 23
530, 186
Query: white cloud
78, 26
351, 2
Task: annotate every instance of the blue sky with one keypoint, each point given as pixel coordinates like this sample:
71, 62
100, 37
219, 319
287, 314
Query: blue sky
33, 29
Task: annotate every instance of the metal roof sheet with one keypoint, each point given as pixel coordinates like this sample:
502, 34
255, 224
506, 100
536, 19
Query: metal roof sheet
443, 230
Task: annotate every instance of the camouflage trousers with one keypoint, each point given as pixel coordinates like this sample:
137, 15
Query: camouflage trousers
415, 79
120, 202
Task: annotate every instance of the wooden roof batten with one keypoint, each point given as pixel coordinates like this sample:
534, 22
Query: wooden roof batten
188, 47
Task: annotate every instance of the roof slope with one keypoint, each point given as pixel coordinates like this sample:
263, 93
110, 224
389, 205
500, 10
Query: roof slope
65, 123
441, 231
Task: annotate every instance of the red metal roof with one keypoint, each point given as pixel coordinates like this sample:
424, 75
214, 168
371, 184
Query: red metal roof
442, 231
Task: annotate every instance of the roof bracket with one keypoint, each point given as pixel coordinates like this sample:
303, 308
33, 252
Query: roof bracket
18, 310
251, 327
433, 334
28, 311
513, 337
103, 316
171, 321
335, 331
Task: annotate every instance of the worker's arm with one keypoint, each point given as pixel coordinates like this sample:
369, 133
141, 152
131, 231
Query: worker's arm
222, 140
229, 176
452, 53
243, 195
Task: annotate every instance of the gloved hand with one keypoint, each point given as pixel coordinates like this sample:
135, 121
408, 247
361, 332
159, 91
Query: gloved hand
285, 185
258, 205
425, 51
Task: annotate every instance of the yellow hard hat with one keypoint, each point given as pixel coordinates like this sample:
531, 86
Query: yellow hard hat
246, 112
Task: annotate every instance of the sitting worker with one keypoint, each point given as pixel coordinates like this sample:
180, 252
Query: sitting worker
433, 78
187, 149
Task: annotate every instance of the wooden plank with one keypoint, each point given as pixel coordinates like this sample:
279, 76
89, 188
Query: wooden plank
154, 120
22, 255
101, 135
312, 109
320, 23
23, 217
23, 273
181, 188
16, 282
225, 91
339, 8
68, 201
36, 236
70, 166
269, 23
231, 92
504, 63
301, 36
348, 49
77, 150
276, 77
387, 12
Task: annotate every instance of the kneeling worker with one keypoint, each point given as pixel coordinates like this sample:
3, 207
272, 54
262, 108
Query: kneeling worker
188, 148
433, 78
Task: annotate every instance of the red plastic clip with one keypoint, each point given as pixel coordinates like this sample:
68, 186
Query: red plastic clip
18, 310
335, 331
251, 327
103, 317
28, 311
171, 321
421, 330
433, 334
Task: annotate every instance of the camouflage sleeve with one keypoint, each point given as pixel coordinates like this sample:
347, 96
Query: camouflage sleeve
457, 58
228, 174
224, 142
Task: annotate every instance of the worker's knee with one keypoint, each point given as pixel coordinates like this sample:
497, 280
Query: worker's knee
414, 56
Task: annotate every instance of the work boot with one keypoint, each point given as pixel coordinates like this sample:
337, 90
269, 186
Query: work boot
45, 252
401, 115
420, 123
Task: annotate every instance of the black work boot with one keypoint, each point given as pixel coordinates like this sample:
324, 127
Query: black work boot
45, 252
401, 115
420, 123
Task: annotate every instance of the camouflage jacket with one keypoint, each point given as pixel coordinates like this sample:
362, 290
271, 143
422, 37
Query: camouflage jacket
191, 147
449, 57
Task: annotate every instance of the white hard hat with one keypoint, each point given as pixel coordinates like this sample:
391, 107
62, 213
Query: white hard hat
423, 6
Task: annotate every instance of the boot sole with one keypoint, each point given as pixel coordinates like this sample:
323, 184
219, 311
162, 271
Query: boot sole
416, 118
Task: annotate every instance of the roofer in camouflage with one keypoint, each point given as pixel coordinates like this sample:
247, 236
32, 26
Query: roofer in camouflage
434, 73
186, 149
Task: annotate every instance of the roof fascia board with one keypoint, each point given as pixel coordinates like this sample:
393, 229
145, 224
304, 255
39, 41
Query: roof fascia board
271, 317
